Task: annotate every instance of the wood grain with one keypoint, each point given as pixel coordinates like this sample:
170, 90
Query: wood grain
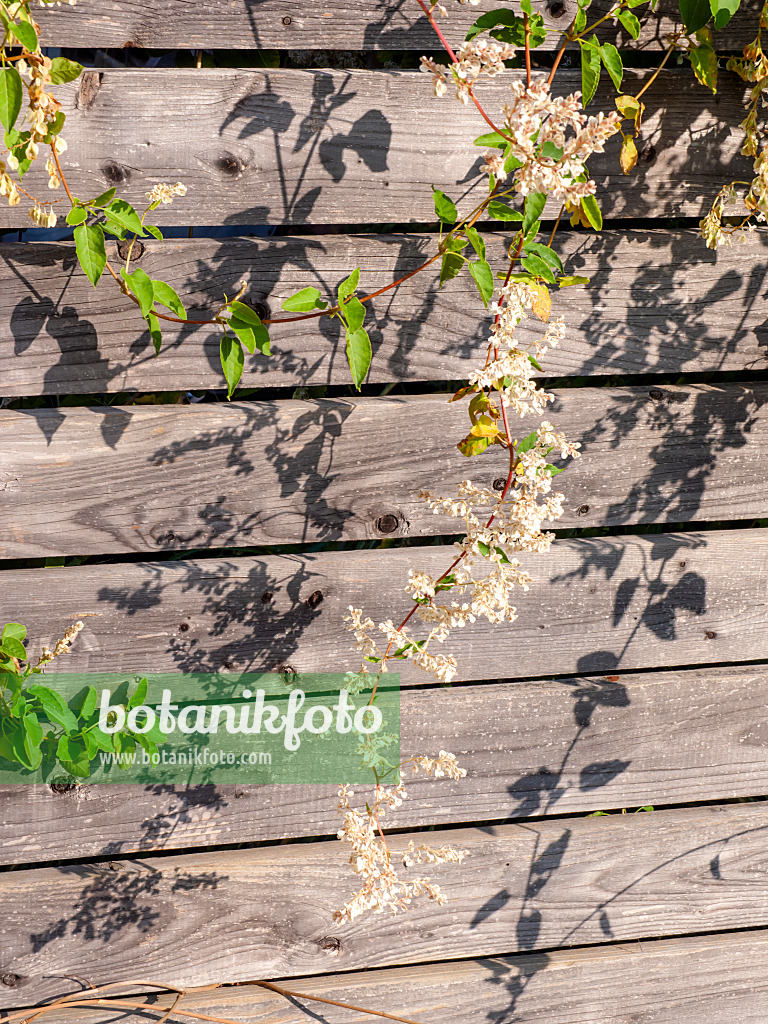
530, 749
341, 147
596, 605
116, 479
337, 24
714, 979
265, 913
658, 302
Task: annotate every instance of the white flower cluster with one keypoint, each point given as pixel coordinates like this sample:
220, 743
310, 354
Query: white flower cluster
475, 58
498, 526
43, 108
162, 193
382, 888
42, 216
62, 646
539, 124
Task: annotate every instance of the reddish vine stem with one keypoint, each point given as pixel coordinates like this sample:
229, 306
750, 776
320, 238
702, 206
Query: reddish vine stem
527, 31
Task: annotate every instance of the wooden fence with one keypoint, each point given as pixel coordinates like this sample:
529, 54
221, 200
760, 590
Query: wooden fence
646, 685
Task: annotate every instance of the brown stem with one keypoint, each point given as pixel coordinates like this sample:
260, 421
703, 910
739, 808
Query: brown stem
561, 52
527, 31
654, 76
557, 225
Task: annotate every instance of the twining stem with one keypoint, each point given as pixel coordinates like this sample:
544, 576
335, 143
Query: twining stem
667, 55
26, 1016
527, 31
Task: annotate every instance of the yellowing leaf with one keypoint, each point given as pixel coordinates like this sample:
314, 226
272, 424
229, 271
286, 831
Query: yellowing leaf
628, 106
542, 304
628, 154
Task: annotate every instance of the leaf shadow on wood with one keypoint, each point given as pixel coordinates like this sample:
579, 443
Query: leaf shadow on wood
113, 901
301, 454
662, 305
271, 611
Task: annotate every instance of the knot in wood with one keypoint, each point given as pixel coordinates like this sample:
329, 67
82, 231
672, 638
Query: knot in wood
498, 483
656, 394
583, 509
331, 944
10, 980
387, 523
315, 598
136, 252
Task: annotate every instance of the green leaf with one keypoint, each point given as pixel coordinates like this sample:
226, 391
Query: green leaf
527, 443
723, 10
54, 707
77, 215
450, 267
139, 694
123, 213
535, 363
304, 301
13, 648
358, 355
592, 212
511, 163
550, 150
25, 34
232, 361
168, 297
478, 243
154, 231
491, 140
245, 313
89, 243
89, 703
569, 282
444, 207
489, 21
500, 211
630, 23
483, 278
64, 70
74, 757
704, 60
548, 255
348, 287
140, 284
590, 69
11, 92
612, 63
581, 21
535, 265
103, 199
155, 331
695, 14
251, 336
102, 740
534, 207
14, 629
354, 311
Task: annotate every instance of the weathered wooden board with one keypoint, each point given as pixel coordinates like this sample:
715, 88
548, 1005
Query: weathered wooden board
147, 478
312, 24
658, 302
342, 147
530, 749
710, 979
596, 605
229, 916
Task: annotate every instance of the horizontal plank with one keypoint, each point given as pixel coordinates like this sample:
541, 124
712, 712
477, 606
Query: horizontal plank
658, 302
334, 24
116, 479
596, 605
711, 979
342, 147
265, 913
530, 749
